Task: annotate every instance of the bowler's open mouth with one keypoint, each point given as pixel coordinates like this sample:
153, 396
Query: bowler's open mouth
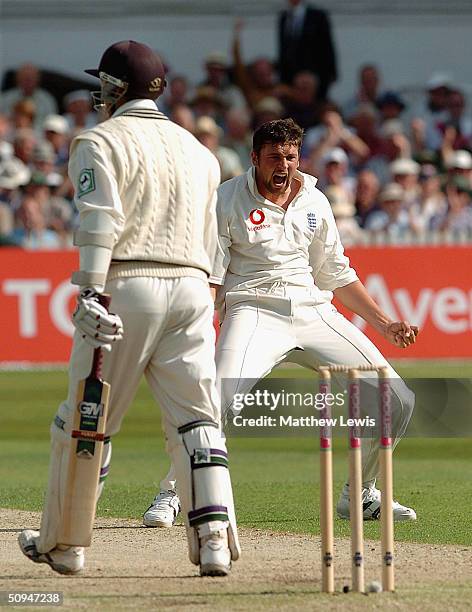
279, 179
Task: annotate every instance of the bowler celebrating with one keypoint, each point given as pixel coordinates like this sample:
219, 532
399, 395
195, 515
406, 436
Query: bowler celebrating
279, 263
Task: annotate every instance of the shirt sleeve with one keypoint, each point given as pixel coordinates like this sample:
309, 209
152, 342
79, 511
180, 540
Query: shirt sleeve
331, 267
222, 256
95, 181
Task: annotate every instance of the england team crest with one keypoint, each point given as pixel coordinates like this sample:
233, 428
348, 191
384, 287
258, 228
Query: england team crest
311, 217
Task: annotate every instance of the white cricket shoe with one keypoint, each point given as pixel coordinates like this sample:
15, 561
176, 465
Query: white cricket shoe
371, 506
163, 511
63, 559
215, 556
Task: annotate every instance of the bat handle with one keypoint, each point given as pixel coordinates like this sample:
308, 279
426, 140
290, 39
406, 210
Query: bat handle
96, 371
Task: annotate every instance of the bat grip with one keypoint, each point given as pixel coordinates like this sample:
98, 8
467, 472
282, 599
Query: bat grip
96, 372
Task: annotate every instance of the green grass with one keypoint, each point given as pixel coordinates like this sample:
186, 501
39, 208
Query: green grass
275, 480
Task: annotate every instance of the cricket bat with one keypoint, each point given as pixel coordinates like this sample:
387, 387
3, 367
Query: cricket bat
85, 454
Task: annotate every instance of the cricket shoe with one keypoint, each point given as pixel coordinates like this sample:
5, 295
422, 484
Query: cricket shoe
215, 556
371, 506
163, 511
62, 559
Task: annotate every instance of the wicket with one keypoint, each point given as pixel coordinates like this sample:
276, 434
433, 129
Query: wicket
355, 480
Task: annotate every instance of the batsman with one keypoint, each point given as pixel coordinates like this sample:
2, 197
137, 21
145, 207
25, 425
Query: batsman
145, 190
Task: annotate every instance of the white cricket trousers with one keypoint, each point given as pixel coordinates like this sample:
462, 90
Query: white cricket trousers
168, 338
262, 327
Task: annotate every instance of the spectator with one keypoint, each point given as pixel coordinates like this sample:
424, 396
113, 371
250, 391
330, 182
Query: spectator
459, 164
23, 145
238, 135
216, 75
431, 114
57, 212
458, 120
458, 216
335, 174
56, 132
390, 106
395, 145
392, 220
431, 202
31, 231
301, 100
364, 122
332, 132
405, 172
78, 111
343, 211
44, 161
28, 79
176, 93
267, 109
209, 134
183, 116
367, 90
23, 114
259, 80
207, 102
13, 174
366, 196
306, 43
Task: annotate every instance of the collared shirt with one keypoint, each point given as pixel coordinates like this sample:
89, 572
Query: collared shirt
260, 243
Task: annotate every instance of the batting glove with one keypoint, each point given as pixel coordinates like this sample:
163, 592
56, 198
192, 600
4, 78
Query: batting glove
96, 325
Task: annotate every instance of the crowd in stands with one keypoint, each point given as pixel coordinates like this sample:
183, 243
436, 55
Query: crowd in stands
389, 170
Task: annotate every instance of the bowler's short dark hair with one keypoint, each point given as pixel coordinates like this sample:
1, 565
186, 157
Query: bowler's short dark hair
280, 131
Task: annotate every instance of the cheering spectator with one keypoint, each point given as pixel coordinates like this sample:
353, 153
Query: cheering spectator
332, 132
216, 71
301, 100
27, 80
364, 122
259, 80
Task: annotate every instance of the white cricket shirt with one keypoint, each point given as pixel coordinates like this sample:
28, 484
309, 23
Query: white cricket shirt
260, 243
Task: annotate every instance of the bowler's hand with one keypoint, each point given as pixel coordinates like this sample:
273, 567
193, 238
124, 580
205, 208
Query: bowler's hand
401, 333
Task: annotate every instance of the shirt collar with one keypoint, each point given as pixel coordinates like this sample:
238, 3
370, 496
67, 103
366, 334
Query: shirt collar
135, 104
252, 186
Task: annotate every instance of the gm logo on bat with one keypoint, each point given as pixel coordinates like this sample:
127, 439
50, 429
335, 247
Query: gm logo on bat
91, 409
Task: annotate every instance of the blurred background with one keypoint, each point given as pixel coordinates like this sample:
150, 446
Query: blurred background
382, 90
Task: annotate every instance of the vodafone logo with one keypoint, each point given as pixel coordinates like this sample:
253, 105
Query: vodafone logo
257, 216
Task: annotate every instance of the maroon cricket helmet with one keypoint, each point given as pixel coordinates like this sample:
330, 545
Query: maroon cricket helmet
136, 65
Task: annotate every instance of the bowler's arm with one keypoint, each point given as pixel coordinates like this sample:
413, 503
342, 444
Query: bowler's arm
354, 296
